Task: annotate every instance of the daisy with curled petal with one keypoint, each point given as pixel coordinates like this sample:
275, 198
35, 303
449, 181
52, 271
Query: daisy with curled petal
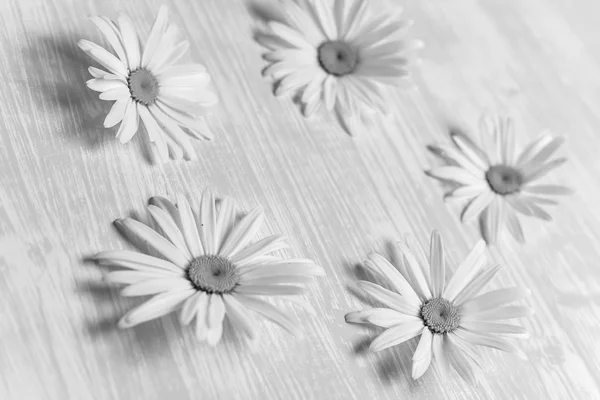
340, 53
495, 182
208, 267
147, 84
450, 318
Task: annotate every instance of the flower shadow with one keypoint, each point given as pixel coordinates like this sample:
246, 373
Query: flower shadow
61, 84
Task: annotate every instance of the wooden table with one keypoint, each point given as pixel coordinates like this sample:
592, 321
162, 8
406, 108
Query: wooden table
64, 179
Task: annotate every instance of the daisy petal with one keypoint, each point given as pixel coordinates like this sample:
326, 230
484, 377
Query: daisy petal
158, 29
189, 308
155, 286
268, 311
208, 216
477, 206
466, 270
477, 284
139, 231
216, 314
154, 308
396, 335
395, 278
438, 265
383, 317
110, 31
238, 316
135, 260
131, 42
189, 227
116, 113
439, 347
500, 313
242, 232
170, 228
130, 277
262, 247
201, 314
226, 216
389, 298
269, 290
423, 354
493, 299
130, 123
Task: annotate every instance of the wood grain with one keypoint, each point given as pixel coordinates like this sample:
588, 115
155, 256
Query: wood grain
64, 179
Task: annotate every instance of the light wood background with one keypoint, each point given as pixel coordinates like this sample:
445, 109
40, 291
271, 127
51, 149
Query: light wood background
64, 179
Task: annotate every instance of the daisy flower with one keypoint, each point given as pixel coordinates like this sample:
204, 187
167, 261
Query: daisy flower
208, 267
495, 182
340, 53
147, 84
450, 318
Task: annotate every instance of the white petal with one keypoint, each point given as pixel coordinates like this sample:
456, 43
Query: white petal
423, 354
189, 227
477, 284
396, 335
383, 317
112, 34
155, 132
116, 113
216, 314
140, 232
269, 290
170, 228
174, 131
495, 328
500, 313
189, 308
201, 314
156, 307
497, 343
477, 206
155, 286
119, 92
131, 277
438, 265
264, 246
242, 232
455, 174
389, 298
130, 123
135, 260
395, 278
270, 312
494, 299
239, 317
131, 42
226, 216
466, 270
439, 347
158, 29
208, 219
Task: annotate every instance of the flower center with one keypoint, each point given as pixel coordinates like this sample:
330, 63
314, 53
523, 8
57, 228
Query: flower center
143, 86
504, 180
440, 315
337, 58
213, 274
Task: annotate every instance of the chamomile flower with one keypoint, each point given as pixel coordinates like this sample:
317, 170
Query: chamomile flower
147, 84
208, 267
450, 318
495, 182
340, 53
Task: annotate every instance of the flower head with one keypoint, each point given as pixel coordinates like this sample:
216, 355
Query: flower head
340, 53
147, 84
208, 267
450, 318
495, 182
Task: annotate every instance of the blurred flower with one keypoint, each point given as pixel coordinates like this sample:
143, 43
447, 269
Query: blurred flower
495, 182
209, 269
340, 53
450, 318
146, 83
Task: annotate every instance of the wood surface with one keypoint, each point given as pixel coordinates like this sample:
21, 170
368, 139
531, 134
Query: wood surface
64, 179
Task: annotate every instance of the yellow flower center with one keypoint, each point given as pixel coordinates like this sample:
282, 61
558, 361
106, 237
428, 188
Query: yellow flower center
504, 180
440, 315
143, 86
337, 58
213, 274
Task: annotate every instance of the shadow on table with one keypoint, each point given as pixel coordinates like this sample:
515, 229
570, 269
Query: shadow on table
58, 72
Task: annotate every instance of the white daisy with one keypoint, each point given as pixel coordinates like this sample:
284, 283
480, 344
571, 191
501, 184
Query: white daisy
451, 318
207, 266
148, 84
495, 182
340, 53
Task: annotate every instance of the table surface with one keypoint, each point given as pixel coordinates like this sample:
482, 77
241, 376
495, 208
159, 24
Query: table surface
64, 179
